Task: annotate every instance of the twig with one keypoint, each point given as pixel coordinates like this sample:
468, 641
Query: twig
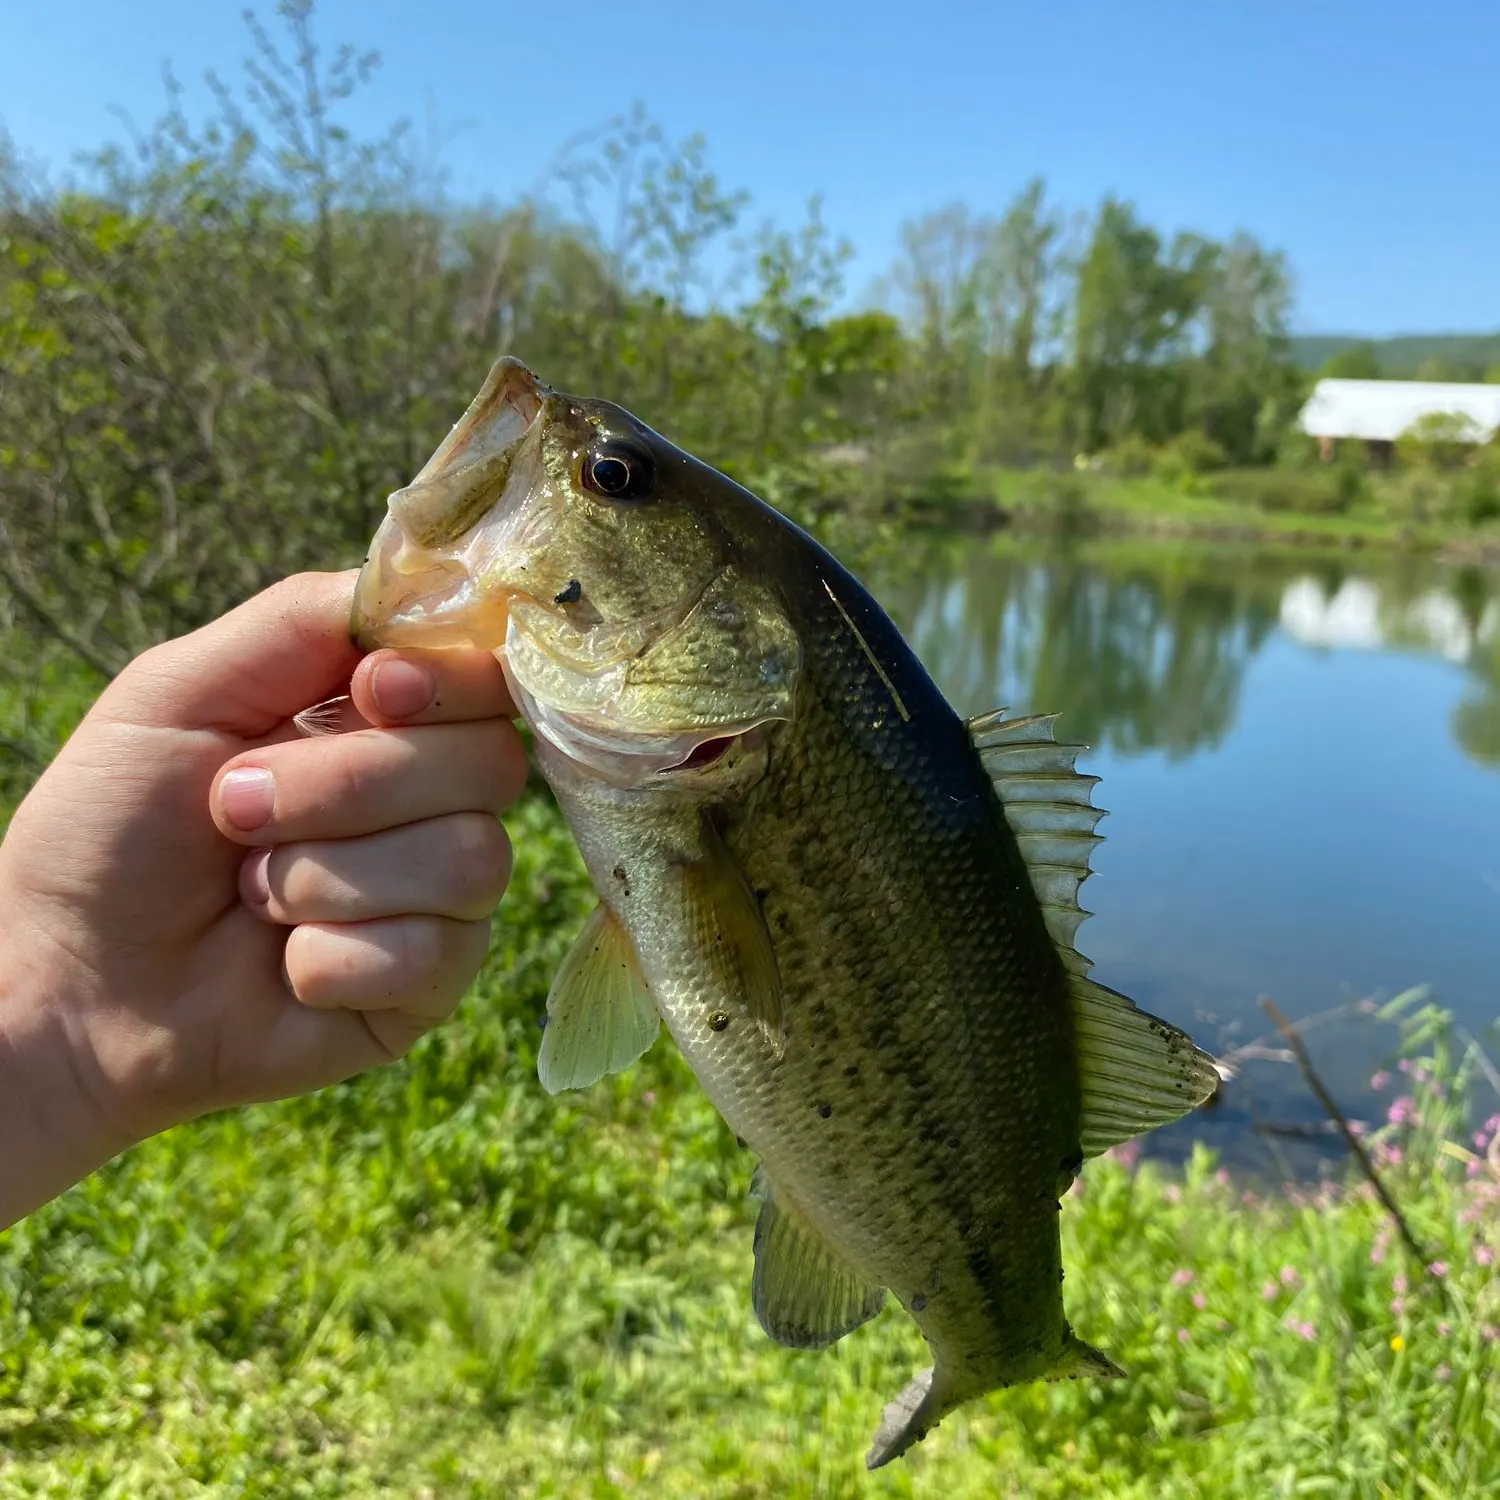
1355, 1145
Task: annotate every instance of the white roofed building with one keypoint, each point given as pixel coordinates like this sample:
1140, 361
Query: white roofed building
1380, 411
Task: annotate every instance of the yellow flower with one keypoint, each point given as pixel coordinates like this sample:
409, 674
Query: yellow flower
1397, 1342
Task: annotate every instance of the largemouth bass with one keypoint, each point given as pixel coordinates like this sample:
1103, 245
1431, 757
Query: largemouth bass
854, 911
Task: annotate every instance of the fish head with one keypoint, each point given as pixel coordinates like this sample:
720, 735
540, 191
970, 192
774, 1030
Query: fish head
607, 569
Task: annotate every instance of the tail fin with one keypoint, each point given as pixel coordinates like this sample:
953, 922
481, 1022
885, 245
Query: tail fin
923, 1404
1082, 1361
907, 1419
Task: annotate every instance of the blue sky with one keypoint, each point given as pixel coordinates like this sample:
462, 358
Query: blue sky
1359, 138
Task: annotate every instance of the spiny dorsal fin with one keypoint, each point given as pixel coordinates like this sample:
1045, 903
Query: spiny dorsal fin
1136, 1071
600, 1015
803, 1293
1047, 804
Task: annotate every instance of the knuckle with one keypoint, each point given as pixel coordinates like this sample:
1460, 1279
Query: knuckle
478, 858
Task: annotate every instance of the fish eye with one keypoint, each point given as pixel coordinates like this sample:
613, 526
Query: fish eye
619, 472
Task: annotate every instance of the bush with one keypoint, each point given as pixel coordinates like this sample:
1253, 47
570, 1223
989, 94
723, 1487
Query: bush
1186, 458
1320, 492
1130, 458
1437, 440
1478, 496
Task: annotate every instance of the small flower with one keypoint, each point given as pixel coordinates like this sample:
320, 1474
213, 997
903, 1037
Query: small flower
1183, 1335
1172, 1193
1481, 1139
1398, 1283
1182, 1277
1289, 1276
1400, 1111
1438, 1268
1397, 1342
1489, 1333
1269, 1291
1442, 1373
1398, 1306
1222, 1176
1492, 1124
1484, 1255
1199, 1301
1444, 1329
1127, 1153
1404, 1065
1380, 1080
1306, 1332
1377, 1254
648, 1097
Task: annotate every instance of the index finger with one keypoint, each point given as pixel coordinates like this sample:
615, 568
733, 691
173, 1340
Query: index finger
392, 687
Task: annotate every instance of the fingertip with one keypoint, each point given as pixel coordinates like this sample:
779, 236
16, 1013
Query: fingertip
391, 687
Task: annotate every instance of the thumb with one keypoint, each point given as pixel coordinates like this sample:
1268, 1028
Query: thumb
246, 672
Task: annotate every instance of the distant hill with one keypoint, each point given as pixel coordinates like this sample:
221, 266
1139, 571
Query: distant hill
1468, 354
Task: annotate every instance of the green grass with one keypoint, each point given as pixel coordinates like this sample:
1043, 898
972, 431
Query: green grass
1392, 510
437, 1282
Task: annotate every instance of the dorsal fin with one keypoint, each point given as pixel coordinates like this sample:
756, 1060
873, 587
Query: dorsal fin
1136, 1072
1048, 806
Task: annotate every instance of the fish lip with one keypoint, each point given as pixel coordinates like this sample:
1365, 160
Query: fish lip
405, 589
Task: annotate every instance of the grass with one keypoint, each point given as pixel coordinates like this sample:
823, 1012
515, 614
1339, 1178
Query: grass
437, 1282
1399, 509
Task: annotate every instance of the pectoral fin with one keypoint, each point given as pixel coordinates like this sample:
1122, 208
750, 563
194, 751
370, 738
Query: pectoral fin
727, 925
803, 1293
600, 1015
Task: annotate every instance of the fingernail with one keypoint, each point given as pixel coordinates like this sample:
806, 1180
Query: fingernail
401, 688
248, 797
255, 879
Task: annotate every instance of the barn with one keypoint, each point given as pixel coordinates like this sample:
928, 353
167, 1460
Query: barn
1378, 412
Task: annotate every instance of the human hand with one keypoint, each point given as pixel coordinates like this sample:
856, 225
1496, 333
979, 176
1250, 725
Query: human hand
152, 969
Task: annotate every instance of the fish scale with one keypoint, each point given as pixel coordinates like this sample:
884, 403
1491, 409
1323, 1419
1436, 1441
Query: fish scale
853, 911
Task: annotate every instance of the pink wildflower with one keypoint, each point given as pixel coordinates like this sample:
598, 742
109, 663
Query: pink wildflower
1127, 1153
1483, 1255
1199, 1301
1269, 1291
648, 1097
1438, 1268
1306, 1331
1222, 1176
1183, 1335
1481, 1140
1182, 1277
1377, 1254
1492, 1124
1380, 1080
1289, 1276
1404, 1066
1442, 1373
1444, 1329
1172, 1193
1400, 1111
1398, 1306
1398, 1283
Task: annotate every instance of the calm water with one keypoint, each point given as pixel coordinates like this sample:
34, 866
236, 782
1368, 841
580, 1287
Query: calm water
1301, 759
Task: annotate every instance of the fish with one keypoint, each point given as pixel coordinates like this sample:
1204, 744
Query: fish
853, 911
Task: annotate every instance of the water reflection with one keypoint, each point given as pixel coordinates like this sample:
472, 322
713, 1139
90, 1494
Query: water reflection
1144, 649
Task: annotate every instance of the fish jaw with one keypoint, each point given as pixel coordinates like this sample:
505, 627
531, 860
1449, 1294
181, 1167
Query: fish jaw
453, 547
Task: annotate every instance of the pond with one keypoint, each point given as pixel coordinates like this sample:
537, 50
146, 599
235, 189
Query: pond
1301, 759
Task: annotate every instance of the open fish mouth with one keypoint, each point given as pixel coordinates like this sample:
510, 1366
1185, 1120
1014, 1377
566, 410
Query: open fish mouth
420, 585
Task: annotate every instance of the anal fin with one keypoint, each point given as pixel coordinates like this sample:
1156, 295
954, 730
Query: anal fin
600, 1015
804, 1294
